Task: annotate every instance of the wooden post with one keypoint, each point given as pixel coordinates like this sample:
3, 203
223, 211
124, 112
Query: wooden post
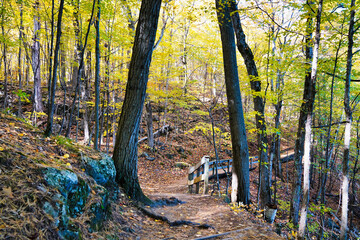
206, 174
191, 177
198, 172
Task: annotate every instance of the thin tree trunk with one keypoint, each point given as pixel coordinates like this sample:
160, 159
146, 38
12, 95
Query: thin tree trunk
240, 173
50, 119
97, 77
80, 71
19, 59
259, 105
328, 151
347, 134
4, 57
51, 53
308, 128
37, 98
306, 108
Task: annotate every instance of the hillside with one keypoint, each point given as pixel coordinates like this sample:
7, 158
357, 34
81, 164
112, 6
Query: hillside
51, 188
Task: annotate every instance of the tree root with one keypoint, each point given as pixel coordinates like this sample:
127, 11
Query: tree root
176, 223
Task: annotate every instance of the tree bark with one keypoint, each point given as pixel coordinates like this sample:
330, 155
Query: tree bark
240, 177
48, 130
37, 98
347, 134
97, 77
79, 74
306, 108
125, 150
259, 105
308, 127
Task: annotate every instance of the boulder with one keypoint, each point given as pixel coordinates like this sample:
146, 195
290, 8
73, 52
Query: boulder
103, 171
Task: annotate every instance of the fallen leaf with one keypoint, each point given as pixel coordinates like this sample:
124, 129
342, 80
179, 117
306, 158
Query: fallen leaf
8, 192
66, 156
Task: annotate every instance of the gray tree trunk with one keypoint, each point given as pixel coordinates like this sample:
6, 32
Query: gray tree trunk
259, 105
240, 173
308, 129
37, 98
97, 78
306, 107
347, 134
125, 150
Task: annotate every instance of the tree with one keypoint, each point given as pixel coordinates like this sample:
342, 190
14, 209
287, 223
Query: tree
308, 127
48, 130
97, 76
259, 105
38, 106
348, 120
125, 150
305, 112
240, 173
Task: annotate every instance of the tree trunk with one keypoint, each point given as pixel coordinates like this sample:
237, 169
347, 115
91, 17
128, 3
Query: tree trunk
240, 177
259, 105
19, 58
80, 69
347, 134
37, 98
308, 128
97, 77
125, 151
306, 107
48, 130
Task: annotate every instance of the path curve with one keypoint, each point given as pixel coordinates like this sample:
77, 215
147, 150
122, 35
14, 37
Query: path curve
205, 209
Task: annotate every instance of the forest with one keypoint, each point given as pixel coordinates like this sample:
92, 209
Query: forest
128, 96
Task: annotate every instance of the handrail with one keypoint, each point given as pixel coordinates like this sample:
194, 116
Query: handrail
202, 172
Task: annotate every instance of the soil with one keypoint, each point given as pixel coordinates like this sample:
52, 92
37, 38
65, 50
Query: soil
206, 210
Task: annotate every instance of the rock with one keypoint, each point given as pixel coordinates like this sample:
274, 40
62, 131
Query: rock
103, 171
182, 165
100, 210
64, 180
77, 199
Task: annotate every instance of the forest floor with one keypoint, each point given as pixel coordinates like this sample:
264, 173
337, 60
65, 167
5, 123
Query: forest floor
160, 179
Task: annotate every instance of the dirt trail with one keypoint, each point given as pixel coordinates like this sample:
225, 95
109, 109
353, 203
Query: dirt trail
203, 209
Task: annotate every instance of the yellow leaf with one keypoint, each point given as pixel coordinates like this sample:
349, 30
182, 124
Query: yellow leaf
66, 156
68, 164
8, 192
1, 149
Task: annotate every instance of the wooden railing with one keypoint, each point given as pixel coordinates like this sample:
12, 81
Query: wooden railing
206, 169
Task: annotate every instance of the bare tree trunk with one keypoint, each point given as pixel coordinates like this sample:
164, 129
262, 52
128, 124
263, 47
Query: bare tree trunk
97, 78
4, 57
347, 134
308, 128
125, 151
38, 106
80, 72
240, 173
259, 105
50, 119
306, 108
